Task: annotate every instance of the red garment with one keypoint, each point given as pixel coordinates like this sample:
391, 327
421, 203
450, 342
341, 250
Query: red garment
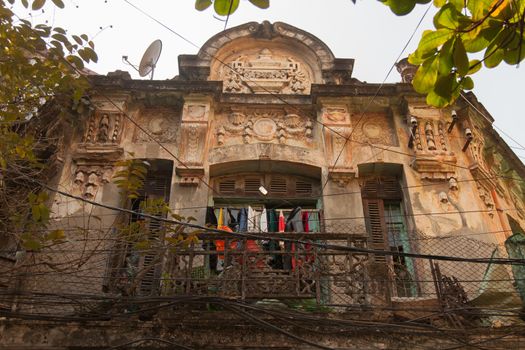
307, 246
281, 221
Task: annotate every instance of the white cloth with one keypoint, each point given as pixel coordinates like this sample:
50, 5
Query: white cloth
252, 227
264, 221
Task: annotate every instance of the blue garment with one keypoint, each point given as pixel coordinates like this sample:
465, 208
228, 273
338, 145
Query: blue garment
242, 219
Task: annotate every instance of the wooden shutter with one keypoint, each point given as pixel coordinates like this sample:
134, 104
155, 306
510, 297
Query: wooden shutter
278, 185
251, 185
156, 186
375, 222
382, 188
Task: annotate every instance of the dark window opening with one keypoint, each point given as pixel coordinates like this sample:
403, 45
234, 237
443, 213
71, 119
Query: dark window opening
382, 203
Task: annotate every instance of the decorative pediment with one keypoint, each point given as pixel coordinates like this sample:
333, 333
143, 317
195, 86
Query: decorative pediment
265, 73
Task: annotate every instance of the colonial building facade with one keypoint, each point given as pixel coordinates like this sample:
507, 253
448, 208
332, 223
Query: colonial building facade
264, 122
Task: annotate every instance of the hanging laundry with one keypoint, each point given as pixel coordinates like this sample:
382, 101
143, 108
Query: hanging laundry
232, 219
242, 218
275, 260
281, 221
220, 243
313, 222
307, 247
263, 222
251, 220
211, 221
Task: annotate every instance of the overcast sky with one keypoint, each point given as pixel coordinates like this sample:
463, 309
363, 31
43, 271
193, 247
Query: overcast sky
367, 32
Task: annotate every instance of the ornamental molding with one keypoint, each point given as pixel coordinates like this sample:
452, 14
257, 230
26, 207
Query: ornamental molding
160, 123
263, 125
265, 73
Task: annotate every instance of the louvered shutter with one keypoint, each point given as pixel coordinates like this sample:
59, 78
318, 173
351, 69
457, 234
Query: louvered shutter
156, 186
375, 221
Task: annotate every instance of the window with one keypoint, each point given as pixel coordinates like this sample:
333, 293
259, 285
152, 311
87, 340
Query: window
382, 203
132, 264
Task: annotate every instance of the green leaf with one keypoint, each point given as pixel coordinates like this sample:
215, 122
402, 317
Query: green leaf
31, 244
481, 40
494, 53
458, 4
201, 5
426, 76
35, 212
460, 58
439, 3
77, 62
478, 8
225, 7
444, 86
447, 17
60, 37
58, 3
433, 39
77, 39
262, 4
38, 4
416, 58
474, 66
401, 7
91, 54
435, 100
467, 83
445, 57
25, 3
55, 235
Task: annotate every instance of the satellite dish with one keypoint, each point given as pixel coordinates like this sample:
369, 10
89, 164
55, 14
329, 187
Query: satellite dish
150, 58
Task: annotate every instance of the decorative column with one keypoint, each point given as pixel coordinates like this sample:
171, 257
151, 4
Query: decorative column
193, 142
337, 130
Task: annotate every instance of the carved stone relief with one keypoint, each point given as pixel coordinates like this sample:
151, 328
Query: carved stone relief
161, 123
274, 126
337, 148
265, 73
486, 197
89, 178
376, 128
104, 127
194, 129
433, 160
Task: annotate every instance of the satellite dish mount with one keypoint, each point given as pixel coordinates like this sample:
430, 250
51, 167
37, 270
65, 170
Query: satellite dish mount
150, 58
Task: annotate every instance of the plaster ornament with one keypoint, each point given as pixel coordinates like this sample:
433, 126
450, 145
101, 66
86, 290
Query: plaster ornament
159, 122
265, 73
237, 118
79, 177
443, 198
267, 126
375, 128
453, 184
103, 129
265, 129
442, 137
196, 111
336, 114
106, 176
429, 133
220, 135
90, 192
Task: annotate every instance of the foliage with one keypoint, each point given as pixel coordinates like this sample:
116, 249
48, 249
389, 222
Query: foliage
463, 28
38, 64
227, 7
468, 33
130, 179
